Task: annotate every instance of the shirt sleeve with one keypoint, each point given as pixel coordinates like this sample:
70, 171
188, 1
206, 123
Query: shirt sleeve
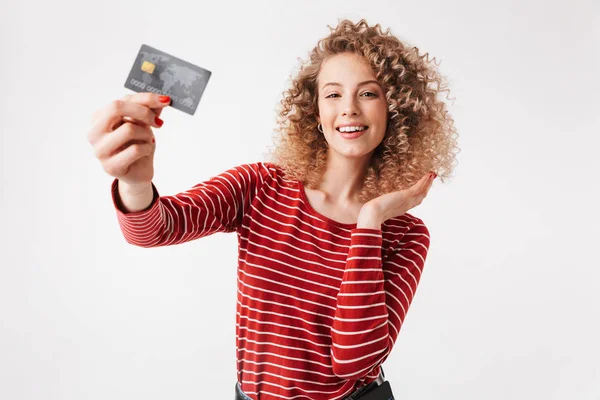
216, 205
374, 298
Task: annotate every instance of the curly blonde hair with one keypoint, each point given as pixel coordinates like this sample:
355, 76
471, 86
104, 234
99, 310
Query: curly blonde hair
419, 138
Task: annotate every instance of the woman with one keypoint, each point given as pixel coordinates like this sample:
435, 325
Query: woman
329, 257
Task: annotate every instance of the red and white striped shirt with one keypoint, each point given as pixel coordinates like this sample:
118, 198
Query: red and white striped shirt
320, 303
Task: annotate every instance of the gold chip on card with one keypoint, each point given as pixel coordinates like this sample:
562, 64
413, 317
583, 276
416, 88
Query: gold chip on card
148, 67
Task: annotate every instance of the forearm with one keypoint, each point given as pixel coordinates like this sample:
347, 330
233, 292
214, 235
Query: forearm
360, 337
148, 219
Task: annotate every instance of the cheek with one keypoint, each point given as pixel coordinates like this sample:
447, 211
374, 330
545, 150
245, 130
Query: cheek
380, 110
326, 114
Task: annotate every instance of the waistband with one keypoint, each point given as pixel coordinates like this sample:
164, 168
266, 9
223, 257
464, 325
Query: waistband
240, 395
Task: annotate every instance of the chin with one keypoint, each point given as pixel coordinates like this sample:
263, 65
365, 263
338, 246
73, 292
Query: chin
352, 151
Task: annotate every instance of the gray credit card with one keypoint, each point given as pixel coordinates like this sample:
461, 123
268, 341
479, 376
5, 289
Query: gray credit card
158, 72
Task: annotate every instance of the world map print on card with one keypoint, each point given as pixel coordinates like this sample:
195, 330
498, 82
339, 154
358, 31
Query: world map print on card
158, 72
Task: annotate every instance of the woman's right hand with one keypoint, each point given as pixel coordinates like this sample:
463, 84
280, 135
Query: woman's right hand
122, 136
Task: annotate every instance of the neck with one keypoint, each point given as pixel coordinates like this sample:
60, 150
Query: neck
343, 178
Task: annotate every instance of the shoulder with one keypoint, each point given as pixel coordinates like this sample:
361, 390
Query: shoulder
263, 168
276, 172
259, 173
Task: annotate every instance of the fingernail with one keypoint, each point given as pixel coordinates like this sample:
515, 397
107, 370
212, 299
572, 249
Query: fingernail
164, 99
153, 140
158, 121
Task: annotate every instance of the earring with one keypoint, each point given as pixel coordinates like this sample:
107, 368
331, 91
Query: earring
320, 128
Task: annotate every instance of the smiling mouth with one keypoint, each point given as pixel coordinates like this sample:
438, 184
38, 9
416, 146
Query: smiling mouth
364, 128
353, 134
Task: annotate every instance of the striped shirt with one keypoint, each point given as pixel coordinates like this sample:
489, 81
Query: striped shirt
319, 303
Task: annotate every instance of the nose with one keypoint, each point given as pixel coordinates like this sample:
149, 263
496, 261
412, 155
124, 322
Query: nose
350, 106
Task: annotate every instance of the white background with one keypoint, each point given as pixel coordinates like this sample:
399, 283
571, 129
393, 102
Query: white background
509, 304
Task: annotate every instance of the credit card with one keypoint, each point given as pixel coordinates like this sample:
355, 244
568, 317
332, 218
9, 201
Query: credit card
158, 72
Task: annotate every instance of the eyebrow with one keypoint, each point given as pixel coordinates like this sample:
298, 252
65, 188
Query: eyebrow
339, 84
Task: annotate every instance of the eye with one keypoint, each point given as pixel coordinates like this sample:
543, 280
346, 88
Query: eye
335, 94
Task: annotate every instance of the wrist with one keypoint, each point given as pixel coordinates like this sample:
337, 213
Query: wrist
134, 188
369, 218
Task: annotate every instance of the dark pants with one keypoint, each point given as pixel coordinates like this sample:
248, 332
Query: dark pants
239, 395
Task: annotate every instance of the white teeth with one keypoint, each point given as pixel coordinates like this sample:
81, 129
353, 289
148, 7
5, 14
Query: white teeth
351, 128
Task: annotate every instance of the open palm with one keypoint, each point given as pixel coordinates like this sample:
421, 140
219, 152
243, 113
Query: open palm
397, 203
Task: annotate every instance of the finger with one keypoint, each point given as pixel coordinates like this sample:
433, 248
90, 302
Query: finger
120, 163
151, 100
429, 184
420, 185
125, 135
118, 110
110, 118
115, 115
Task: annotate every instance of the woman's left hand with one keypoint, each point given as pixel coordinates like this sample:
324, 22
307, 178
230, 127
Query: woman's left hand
375, 212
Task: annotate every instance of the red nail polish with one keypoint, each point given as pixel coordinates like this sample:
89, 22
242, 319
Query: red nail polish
158, 121
153, 140
164, 99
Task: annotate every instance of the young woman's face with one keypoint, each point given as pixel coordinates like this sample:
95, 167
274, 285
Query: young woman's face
349, 95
